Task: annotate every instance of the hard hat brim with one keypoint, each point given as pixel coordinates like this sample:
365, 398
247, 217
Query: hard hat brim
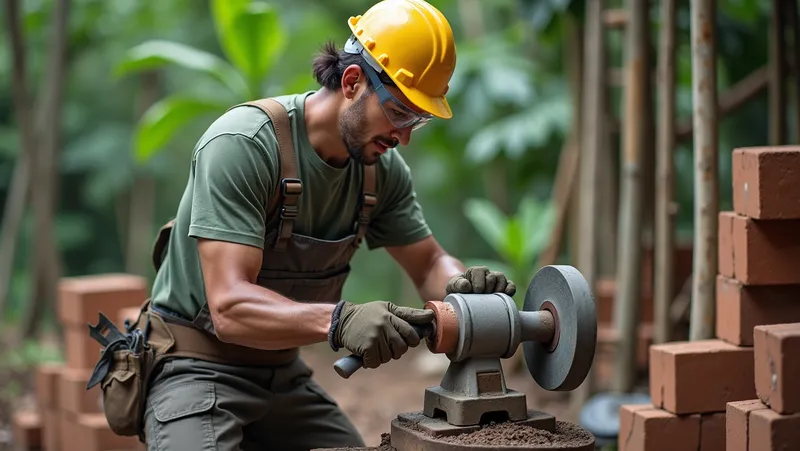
435, 105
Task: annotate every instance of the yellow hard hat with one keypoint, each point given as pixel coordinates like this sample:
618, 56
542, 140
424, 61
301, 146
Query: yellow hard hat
413, 43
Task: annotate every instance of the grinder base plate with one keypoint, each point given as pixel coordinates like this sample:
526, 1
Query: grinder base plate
471, 390
461, 410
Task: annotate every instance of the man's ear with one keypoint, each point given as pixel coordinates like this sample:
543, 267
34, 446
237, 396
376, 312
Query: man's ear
352, 79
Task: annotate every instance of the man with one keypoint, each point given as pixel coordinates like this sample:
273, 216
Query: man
261, 243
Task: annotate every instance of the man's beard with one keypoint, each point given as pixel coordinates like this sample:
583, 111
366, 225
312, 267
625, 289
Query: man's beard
351, 123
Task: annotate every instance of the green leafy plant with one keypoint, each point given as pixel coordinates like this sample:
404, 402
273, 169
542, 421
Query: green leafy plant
517, 239
252, 39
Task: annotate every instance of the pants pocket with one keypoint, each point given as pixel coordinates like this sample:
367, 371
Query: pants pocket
181, 417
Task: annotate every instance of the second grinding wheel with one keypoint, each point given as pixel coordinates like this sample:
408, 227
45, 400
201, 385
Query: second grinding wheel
563, 363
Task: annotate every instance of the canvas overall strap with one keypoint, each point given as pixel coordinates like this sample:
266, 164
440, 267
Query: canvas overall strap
289, 187
369, 198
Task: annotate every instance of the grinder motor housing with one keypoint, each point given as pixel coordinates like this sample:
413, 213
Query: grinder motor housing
557, 328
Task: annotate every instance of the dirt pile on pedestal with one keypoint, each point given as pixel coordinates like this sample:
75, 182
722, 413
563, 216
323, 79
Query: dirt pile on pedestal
509, 434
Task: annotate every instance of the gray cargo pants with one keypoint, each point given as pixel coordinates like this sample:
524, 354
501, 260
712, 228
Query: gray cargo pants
195, 405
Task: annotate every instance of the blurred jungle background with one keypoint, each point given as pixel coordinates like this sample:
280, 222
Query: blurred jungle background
113, 94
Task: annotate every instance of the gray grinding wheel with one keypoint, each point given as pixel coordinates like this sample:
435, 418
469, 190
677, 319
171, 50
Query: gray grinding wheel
564, 366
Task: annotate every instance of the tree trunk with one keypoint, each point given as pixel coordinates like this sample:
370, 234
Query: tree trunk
46, 257
14, 213
142, 197
665, 213
23, 111
706, 204
627, 299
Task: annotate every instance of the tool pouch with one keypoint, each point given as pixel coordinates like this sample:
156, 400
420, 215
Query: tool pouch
124, 370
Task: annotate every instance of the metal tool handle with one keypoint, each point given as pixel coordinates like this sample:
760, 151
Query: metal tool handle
347, 366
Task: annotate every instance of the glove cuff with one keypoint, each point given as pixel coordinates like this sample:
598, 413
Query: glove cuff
335, 326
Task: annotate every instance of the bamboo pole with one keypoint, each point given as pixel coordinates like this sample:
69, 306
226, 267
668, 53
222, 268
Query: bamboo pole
777, 82
566, 182
627, 299
665, 213
794, 20
706, 205
592, 123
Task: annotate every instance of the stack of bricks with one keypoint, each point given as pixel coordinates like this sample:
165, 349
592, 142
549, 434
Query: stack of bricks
67, 416
771, 421
693, 384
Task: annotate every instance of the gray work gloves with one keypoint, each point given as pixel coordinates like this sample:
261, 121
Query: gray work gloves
478, 279
376, 331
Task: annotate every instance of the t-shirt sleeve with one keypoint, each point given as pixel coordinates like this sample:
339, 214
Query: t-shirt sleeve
232, 182
398, 219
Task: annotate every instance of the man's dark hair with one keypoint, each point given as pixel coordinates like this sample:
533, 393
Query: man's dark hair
329, 65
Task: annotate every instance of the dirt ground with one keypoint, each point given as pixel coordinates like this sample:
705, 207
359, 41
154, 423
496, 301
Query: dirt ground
373, 398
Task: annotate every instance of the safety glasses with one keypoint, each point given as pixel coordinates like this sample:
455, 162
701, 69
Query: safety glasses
400, 115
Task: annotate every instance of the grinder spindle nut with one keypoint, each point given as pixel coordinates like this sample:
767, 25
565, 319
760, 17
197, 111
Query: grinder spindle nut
445, 334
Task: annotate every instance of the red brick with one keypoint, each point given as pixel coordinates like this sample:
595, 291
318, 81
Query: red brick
771, 431
646, 428
74, 396
81, 299
26, 430
737, 423
725, 241
700, 376
712, 432
46, 385
766, 182
607, 335
777, 366
130, 313
81, 350
766, 252
51, 431
90, 432
742, 307
98, 436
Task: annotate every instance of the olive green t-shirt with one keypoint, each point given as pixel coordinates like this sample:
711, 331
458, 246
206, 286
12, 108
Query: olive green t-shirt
235, 168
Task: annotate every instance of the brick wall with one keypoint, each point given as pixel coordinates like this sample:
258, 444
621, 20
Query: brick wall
67, 416
738, 391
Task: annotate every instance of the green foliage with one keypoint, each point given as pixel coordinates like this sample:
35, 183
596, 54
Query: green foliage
252, 38
158, 53
162, 120
251, 35
517, 239
30, 354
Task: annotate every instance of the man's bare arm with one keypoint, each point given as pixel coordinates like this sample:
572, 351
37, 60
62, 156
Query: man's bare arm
428, 265
250, 315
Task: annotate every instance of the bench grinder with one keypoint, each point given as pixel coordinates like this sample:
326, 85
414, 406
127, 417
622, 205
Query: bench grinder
557, 328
